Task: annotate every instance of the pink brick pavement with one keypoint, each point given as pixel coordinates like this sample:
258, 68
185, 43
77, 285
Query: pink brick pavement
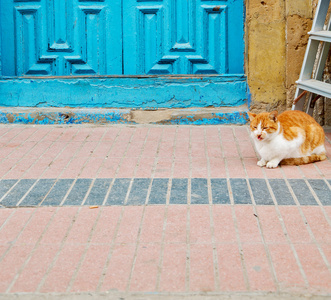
157, 248
164, 249
126, 152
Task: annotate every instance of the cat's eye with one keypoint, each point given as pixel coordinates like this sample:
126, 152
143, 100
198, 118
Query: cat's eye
265, 128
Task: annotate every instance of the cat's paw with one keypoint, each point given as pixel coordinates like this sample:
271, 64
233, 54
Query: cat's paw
261, 163
272, 164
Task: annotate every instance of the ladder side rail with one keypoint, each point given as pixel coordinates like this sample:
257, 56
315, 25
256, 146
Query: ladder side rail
309, 60
320, 15
322, 57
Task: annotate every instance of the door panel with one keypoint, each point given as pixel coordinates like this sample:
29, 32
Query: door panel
183, 37
81, 37
48, 37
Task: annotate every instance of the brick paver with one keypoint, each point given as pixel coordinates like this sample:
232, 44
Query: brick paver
158, 209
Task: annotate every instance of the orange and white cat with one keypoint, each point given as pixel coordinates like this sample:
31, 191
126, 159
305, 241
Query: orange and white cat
291, 138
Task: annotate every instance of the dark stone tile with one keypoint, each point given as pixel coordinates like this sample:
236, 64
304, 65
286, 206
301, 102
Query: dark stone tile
302, 192
178, 191
98, 192
219, 191
5, 186
78, 192
38, 192
118, 191
322, 190
260, 192
240, 191
199, 191
159, 191
16, 194
281, 192
56, 195
139, 190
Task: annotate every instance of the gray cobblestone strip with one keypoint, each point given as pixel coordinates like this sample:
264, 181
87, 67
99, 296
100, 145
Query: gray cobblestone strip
141, 191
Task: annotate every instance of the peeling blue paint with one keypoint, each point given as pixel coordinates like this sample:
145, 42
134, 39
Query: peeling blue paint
78, 117
239, 118
130, 92
113, 116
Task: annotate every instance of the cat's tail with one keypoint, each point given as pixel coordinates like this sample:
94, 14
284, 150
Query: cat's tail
303, 160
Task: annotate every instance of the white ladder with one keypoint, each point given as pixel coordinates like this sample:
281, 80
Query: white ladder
307, 82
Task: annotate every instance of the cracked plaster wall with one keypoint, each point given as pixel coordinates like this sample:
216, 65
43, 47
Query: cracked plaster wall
276, 39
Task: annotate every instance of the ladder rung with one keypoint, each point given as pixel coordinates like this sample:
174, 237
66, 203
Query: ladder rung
315, 86
323, 35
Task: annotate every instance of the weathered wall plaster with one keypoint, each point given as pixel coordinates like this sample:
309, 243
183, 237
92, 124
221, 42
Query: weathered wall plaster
276, 39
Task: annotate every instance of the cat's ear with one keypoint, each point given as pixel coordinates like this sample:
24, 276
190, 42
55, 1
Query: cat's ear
251, 116
273, 115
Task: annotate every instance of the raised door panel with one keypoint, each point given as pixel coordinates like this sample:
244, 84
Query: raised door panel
48, 37
183, 37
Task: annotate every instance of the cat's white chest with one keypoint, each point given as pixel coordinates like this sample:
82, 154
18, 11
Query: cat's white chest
277, 147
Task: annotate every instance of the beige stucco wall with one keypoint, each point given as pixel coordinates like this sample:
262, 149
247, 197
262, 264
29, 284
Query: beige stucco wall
276, 39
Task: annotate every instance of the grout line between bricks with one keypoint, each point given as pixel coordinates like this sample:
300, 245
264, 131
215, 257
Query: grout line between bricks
189, 180
112, 245
136, 250
240, 247
107, 156
50, 267
90, 155
226, 169
140, 154
132, 178
210, 199
160, 264
217, 280
188, 248
124, 153
156, 159
172, 166
87, 246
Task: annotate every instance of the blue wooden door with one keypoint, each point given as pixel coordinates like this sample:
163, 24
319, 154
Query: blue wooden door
61, 37
119, 53
183, 37
131, 37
